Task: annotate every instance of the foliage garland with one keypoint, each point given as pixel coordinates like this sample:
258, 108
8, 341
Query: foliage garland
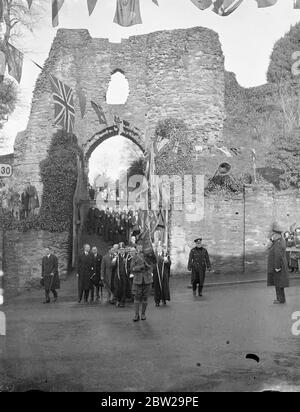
59, 176
168, 162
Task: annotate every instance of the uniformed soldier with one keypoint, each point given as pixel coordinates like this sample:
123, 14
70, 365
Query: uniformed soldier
198, 263
142, 279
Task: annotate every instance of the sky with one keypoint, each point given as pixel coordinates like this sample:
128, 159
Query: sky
247, 37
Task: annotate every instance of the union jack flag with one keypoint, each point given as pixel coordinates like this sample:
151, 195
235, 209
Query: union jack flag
64, 105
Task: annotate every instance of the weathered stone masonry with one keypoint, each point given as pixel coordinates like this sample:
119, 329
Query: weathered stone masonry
177, 73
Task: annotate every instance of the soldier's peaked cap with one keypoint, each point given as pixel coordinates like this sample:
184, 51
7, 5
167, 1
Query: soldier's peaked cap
198, 239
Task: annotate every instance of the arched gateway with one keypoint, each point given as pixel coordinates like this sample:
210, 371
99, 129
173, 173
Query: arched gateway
125, 129
175, 74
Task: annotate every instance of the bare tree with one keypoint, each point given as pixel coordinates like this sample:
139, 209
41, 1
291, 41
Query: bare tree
19, 17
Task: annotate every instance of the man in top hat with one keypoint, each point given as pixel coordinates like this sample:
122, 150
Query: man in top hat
84, 273
277, 264
161, 274
96, 276
198, 263
120, 278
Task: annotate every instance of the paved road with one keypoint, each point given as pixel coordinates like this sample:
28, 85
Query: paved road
192, 344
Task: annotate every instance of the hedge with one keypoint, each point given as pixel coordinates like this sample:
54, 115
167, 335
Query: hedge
59, 176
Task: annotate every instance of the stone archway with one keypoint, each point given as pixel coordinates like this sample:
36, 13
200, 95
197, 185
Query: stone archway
123, 128
81, 200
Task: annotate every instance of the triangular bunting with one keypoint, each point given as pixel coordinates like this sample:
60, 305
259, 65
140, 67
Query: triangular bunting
128, 13
99, 112
14, 62
2, 65
56, 6
265, 3
226, 7
202, 4
29, 3
297, 4
82, 101
1, 11
91, 5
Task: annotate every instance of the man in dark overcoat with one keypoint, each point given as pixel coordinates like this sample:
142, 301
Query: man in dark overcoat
198, 263
277, 264
96, 276
50, 277
120, 278
129, 279
161, 274
24, 204
84, 273
106, 274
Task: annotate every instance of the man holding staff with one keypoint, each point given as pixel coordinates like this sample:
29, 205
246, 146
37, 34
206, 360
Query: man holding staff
50, 277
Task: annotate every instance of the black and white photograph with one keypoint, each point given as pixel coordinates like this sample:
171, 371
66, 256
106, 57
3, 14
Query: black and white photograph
149, 199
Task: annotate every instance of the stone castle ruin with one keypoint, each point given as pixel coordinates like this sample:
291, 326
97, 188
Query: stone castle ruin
171, 74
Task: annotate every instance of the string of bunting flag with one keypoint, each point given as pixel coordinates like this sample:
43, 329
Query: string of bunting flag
128, 11
127, 14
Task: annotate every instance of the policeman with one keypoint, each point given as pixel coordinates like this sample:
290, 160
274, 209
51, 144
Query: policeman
198, 263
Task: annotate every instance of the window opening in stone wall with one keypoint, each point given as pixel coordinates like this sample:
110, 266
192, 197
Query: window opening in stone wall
118, 88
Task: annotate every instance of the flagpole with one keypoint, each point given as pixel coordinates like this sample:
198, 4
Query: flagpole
254, 169
254, 164
166, 228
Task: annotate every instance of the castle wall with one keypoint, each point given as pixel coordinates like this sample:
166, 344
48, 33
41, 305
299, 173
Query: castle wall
178, 73
230, 224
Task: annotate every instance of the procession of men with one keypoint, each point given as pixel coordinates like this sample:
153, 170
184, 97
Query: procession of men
125, 274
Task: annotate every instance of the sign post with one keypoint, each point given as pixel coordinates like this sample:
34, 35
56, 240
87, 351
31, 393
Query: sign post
5, 170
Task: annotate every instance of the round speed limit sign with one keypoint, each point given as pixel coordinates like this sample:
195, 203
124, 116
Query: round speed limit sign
5, 170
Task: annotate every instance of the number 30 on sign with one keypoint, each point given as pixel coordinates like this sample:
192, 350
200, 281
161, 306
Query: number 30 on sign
5, 170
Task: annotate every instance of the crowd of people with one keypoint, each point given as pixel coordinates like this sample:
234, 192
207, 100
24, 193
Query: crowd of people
124, 275
292, 239
21, 206
117, 225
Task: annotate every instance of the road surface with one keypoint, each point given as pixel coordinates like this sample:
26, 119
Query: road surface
192, 344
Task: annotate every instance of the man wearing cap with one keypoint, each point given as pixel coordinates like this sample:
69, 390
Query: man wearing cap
142, 279
198, 263
277, 264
